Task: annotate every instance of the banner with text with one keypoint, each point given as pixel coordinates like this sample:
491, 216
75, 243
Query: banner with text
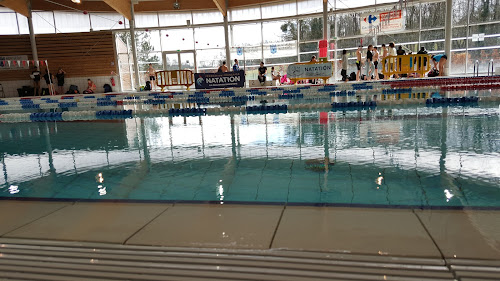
313, 70
220, 80
387, 22
14, 62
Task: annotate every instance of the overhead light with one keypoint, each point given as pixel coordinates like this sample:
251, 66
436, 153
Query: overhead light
76, 1
177, 6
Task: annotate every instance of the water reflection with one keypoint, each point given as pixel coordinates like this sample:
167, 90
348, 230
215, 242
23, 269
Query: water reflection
417, 156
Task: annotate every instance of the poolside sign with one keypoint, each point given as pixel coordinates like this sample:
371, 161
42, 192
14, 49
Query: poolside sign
372, 23
220, 80
309, 70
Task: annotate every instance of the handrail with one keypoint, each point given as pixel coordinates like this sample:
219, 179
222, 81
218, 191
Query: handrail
492, 67
476, 68
167, 78
406, 64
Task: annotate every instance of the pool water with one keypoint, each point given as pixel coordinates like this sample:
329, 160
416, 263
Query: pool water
409, 156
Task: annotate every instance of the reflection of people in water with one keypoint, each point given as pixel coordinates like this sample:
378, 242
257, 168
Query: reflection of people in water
319, 165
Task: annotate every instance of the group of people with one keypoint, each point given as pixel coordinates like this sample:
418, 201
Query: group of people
372, 64
262, 71
50, 80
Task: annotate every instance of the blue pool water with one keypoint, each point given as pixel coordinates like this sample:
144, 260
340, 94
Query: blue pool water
411, 156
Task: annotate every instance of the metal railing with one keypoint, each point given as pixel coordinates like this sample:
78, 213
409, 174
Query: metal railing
407, 64
168, 78
476, 68
491, 63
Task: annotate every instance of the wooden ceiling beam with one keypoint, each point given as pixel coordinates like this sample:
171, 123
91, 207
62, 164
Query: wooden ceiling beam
19, 6
221, 5
121, 6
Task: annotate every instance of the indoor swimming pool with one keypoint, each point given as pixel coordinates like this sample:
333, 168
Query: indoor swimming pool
411, 156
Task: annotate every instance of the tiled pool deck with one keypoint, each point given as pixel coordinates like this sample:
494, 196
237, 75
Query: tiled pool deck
470, 237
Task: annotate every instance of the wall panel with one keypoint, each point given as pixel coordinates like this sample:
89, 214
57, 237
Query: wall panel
79, 54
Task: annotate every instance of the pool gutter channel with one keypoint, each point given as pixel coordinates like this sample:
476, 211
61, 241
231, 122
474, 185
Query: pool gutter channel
276, 262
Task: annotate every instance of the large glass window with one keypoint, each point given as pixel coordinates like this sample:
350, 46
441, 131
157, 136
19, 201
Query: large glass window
283, 9
177, 39
311, 29
43, 22
247, 13
71, 22
174, 18
349, 25
209, 60
309, 6
207, 17
22, 21
8, 23
146, 19
246, 35
209, 37
433, 14
107, 21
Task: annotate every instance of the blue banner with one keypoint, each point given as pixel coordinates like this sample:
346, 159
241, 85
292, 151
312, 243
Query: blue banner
220, 80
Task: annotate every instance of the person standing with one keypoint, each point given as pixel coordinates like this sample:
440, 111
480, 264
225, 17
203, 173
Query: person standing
375, 61
35, 75
343, 72
369, 62
422, 52
236, 66
358, 62
49, 79
392, 61
60, 80
152, 76
262, 74
223, 67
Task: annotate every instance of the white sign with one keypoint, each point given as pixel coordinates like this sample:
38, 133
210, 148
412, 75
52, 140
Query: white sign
477, 37
386, 22
14, 62
316, 70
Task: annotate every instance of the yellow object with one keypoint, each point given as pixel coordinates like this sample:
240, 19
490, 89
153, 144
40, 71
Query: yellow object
174, 78
406, 64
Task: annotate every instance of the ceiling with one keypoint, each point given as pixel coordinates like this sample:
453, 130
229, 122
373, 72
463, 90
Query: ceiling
141, 6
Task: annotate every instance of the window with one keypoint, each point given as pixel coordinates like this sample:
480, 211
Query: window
209, 37
309, 6
71, 22
22, 21
247, 13
177, 39
284, 9
8, 23
146, 20
433, 14
174, 18
207, 17
107, 21
43, 22
311, 29
246, 35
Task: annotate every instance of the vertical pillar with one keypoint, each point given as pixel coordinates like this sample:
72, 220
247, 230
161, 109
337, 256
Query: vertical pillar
134, 50
34, 51
335, 18
325, 20
298, 40
447, 35
226, 37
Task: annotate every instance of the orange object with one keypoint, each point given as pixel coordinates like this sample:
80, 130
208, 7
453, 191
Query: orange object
174, 78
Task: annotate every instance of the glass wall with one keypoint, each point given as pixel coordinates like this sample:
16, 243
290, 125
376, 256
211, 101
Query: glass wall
284, 32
